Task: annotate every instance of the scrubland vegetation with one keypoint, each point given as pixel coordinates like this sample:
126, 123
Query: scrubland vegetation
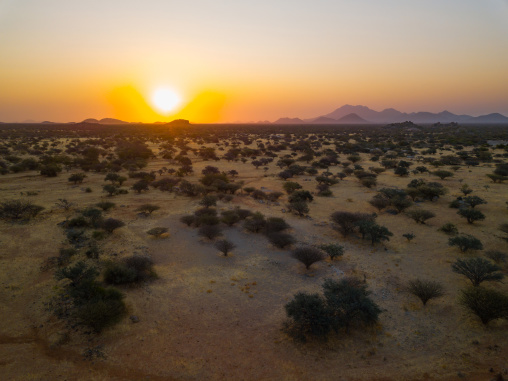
314, 250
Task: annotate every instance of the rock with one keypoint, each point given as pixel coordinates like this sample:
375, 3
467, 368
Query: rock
134, 319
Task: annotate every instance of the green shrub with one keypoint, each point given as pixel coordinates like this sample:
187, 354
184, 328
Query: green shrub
224, 246
477, 270
345, 304
471, 215
425, 289
485, 303
230, 217
19, 210
449, 229
280, 240
275, 225
466, 242
106, 309
112, 224
210, 231
255, 223
130, 270
308, 315
333, 250
119, 273
496, 256
420, 216
308, 255
188, 219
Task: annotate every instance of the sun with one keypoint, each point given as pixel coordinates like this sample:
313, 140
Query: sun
165, 100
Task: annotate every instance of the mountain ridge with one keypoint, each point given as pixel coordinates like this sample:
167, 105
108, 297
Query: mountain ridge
391, 115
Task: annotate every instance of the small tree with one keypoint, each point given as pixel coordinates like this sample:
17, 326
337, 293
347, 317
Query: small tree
255, 223
210, 231
496, 256
112, 224
280, 240
208, 201
472, 201
77, 178
425, 289
308, 255
408, 236
308, 315
401, 203
188, 219
275, 225
401, 171
224, 246
442, 174
349, 303
376, 233
140, 185
485, 303
230, 217
333, 250
466, 242
110, 189
379, 202
465, 189
347, 222
477, 270
157, 232
301, 208
19, 209
449, 229
300, 195
420, 216
291, 186
148, 208
471, 215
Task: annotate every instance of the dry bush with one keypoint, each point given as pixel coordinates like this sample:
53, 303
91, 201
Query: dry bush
425, 289
308, 255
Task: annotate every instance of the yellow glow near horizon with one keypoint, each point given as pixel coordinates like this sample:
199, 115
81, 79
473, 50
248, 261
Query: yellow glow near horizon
165, 100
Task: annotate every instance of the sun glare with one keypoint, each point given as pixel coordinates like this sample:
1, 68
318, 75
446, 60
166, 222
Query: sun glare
165, 100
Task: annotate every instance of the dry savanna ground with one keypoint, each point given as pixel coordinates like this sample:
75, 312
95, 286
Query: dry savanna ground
211, 317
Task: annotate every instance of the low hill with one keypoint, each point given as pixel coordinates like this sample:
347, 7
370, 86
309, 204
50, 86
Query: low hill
288, 121
104, 121
490, 118
112, 121
90, 120
352, 119
178, 122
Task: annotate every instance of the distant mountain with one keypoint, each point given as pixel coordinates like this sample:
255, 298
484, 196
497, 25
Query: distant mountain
288, 121
352, 119
47, 122
490, 118
104, 121
324, 120
90, 120
390, 115
178, 122
112, 121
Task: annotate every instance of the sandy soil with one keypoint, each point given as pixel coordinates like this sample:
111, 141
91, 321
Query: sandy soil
209, 317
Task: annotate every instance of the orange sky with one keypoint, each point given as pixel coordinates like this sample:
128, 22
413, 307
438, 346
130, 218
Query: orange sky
248, 61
